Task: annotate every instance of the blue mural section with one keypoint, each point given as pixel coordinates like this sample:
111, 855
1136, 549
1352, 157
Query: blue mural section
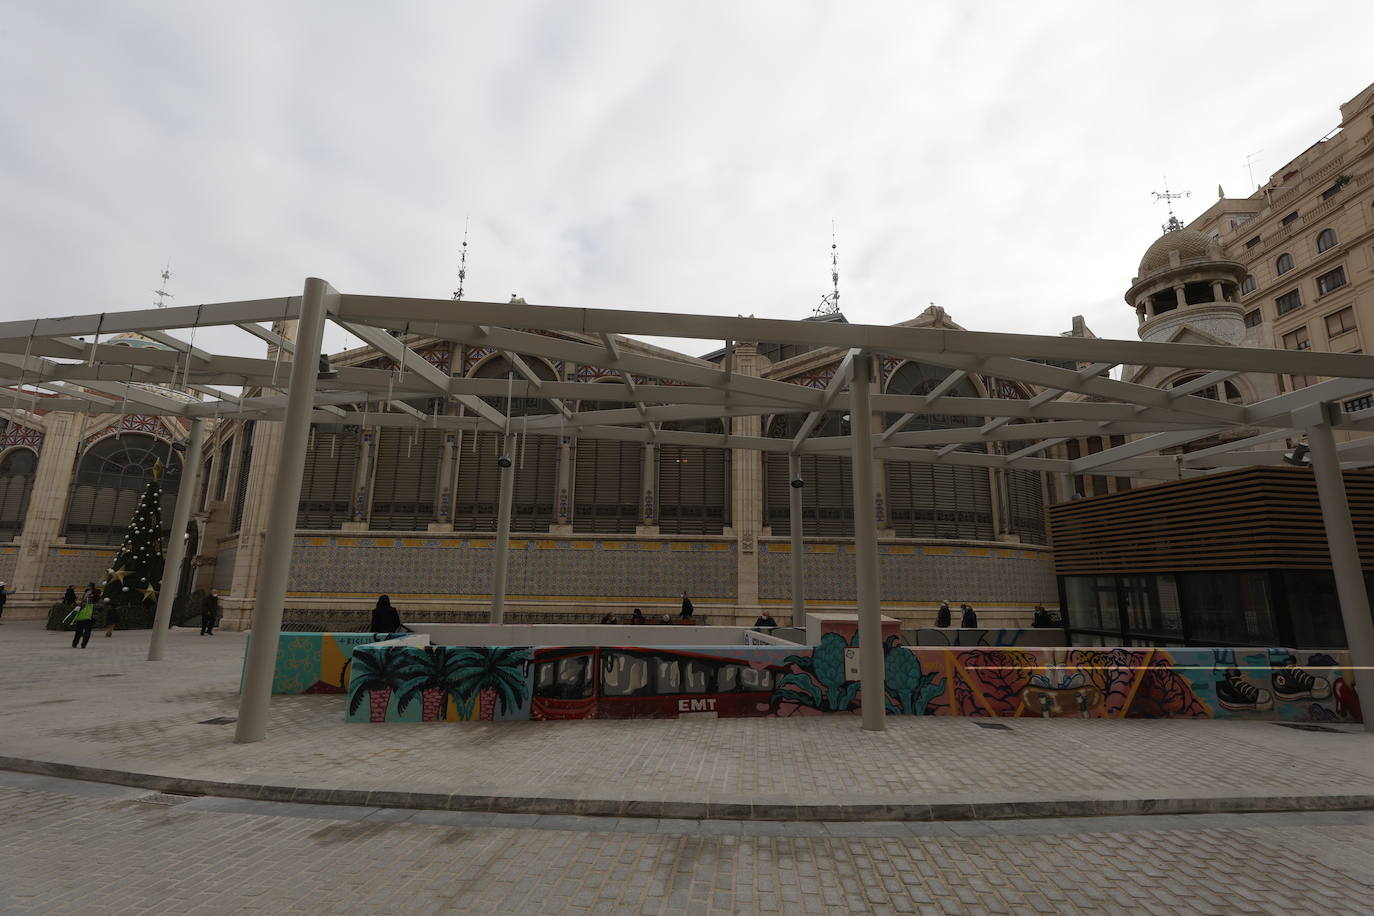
314, 662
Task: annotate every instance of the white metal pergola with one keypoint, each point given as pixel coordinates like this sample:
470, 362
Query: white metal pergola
47, 355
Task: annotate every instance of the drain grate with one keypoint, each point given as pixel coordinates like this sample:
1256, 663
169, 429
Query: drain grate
163, 798
1302, 726
108, 675
997, 726
219, 720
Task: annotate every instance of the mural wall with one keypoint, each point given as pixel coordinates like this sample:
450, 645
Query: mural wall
448, 683
314, 662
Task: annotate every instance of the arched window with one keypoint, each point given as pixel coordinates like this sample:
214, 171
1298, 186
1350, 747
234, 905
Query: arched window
477, 485
608, 477
693, 482
937, 500
110, 478
1284, 264
1247, 286
1326, 239
17, 471
1227, 388
828, 497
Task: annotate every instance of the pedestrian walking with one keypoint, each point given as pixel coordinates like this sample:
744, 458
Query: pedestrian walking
111, 616
687, 608
1042, 618
69, 597
638, 618
970, 619
942, 615
82, 619
209, 613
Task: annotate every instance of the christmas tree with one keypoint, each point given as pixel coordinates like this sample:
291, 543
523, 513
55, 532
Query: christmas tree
136, 573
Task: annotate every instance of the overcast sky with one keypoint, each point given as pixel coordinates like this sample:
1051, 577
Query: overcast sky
994, 158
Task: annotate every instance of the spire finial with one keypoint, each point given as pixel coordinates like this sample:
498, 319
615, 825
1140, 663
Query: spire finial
462, 262
162, 293
1174, 223
830, 302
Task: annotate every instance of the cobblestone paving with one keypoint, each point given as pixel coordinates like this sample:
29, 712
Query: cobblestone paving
89, 848
106, 706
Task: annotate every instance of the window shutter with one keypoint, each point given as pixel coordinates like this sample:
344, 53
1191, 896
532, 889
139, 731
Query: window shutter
245, 464
606, 486
406, 478
1027, 508
478, 486
691, 489
327, 481
536, 482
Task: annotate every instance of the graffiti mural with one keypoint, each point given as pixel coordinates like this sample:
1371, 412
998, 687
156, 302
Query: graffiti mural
392, 683
396, 683
314, 662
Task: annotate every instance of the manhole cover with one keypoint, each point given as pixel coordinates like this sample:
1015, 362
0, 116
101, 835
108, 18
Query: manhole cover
998, 726
109, 675
219, 720
1302, 726
162, 798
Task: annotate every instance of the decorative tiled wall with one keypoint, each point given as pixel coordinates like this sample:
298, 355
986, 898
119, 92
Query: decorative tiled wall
9, 559
916, 573
542, 567
76, 566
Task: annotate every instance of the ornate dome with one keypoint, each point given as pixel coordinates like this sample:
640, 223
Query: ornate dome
1189, 243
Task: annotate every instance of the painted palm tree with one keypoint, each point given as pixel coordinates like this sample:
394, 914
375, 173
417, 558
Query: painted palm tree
376, 673
430, 674
493, 674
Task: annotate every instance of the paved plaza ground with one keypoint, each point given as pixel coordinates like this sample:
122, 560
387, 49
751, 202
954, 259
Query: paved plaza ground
744, 815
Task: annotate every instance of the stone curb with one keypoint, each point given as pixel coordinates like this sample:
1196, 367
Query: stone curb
732, 809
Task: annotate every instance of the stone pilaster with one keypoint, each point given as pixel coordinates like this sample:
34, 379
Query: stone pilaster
52, 486
648, 493
746, 495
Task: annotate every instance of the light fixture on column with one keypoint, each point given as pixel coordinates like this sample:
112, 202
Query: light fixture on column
503, 462
796, 483
1298, 456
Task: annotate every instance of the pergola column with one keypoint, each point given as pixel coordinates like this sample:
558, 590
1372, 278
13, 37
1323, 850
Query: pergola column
502, 561
281, 522
794, 525
1345, 558
176, 546
866, 549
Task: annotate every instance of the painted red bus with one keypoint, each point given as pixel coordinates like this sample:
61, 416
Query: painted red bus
596, 682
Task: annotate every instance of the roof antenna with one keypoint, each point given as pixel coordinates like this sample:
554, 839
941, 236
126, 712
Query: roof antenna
162, 293
1173, 224
830, 302
462, 262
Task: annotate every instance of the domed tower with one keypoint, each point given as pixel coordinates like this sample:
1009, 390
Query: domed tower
1185, 281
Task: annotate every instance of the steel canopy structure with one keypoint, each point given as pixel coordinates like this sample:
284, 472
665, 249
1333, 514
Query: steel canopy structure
47, 366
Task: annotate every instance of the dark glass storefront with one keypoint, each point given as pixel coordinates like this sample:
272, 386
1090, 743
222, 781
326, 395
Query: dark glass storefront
1296, 608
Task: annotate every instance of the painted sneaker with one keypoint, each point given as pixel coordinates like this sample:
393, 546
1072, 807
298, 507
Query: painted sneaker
1293, 683
1234, 692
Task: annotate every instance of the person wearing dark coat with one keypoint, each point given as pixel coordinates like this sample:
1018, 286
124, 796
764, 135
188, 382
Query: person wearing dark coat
385, 618
687, 608
638, 618
209, 613
1042, 618
970, 619
942, 615
69, 597
765, 620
